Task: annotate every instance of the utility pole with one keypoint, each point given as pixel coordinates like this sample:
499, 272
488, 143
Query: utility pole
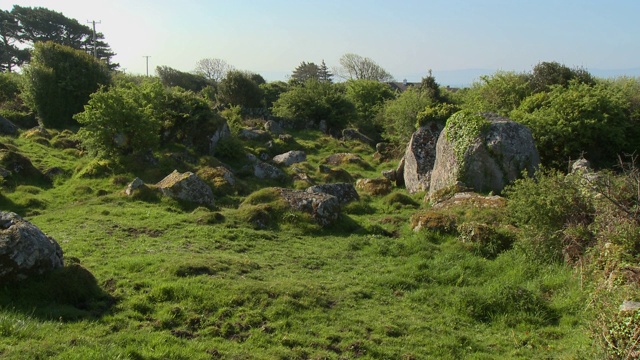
147, 56
95, 48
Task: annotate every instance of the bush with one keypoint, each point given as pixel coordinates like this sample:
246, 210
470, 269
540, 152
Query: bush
400, 115
544, 207
59, 81
313, 102
119, 121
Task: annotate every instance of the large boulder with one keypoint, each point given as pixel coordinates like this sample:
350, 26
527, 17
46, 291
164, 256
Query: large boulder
420, 157
290, 157
323, 208
483, 152
262, 170
25, 250
187, 187
345, 192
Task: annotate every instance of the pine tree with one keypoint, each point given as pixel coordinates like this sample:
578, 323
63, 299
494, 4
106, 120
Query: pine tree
323, 73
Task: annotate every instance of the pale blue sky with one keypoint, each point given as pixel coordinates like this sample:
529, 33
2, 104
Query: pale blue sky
456, 38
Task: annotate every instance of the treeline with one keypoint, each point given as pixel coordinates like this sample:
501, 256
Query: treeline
571, 113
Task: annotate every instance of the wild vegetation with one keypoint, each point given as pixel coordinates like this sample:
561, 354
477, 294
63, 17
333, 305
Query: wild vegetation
537, 273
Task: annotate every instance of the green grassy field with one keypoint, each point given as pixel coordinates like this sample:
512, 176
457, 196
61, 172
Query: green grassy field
165, 280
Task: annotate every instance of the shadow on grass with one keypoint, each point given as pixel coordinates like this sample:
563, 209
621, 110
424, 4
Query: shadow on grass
70, 293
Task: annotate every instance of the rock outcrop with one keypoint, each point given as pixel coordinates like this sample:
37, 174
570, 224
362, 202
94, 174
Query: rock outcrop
222, 133
187, 187
25, 250
345, 192
323, 208
482, 152
353, 134
379, 186
420, 157
290, 157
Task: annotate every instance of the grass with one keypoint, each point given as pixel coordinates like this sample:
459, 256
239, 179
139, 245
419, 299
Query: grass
158, 280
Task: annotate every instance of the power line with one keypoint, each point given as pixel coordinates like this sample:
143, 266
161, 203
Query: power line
95, 46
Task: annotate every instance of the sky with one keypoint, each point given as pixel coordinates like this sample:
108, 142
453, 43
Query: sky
458, 40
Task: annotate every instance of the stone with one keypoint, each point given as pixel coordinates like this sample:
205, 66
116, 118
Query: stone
285, 138
20, 167
187, 187
389, 175
346, 158
344, 192
222, 133
273, 127
379, 186
400, 173
420, 157
629, 306
133, 186
262, 170
25, 250
254, 134
323, 208
7, 127
290, 158
487, 161
353, 134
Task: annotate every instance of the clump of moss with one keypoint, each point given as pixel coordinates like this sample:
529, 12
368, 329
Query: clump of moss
462, 129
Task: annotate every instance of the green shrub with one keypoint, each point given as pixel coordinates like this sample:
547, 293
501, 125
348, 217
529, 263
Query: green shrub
120, 121
59, 81
544, 206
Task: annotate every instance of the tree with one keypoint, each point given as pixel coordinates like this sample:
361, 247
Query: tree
238, 88
171, 77
59, 80
547, 74
10, 54
310, 71
357, 67
323, 73
368, 98
41, 25
315, 101
213, 69
430, 87
305, 71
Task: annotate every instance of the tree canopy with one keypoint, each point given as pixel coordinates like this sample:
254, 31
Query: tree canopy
28, 26
213, 69
310, 71
356, 67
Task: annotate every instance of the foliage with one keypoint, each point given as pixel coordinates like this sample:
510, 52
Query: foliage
579, 119
313, 102
356, 67
187, 119
120, 120
310, 71
462, 129
58, 82
400, 115
10, 54
272, 91
238, 88
547, 74
213, 69
431, 88
368, 98
546, 206
42, 25
171, 77
499, 93
438, 113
